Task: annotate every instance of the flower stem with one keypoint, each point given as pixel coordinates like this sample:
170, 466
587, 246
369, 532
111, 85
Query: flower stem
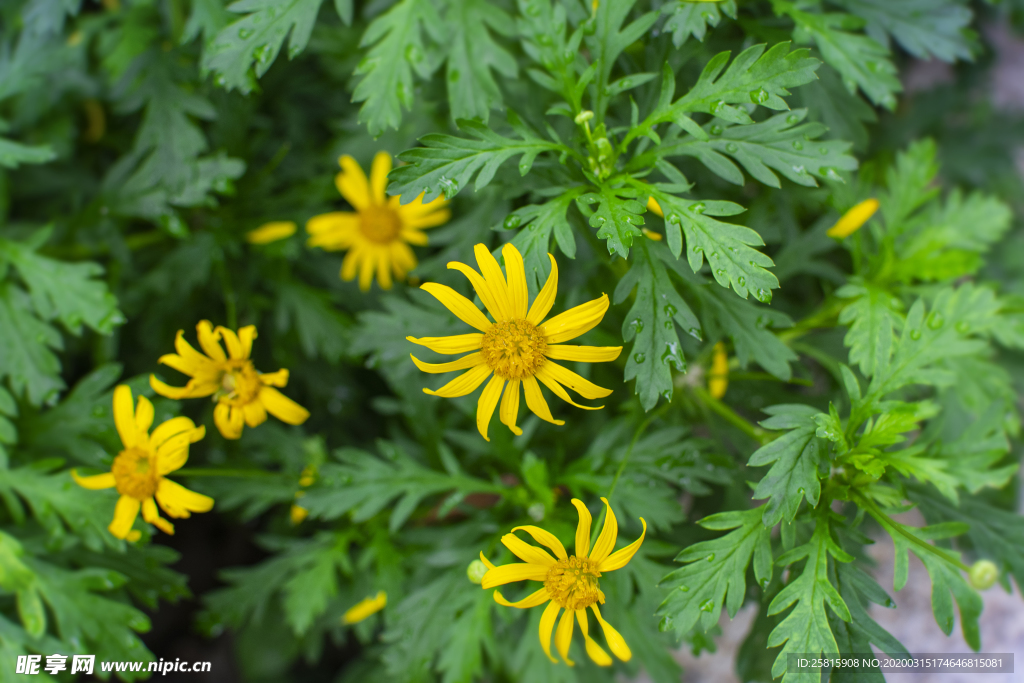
886, 520
756, 433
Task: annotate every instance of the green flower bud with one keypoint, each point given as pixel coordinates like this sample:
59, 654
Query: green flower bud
475, 571
983, 574
583, 117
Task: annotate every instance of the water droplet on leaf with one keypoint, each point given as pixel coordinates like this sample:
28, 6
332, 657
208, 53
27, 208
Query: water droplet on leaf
512, 221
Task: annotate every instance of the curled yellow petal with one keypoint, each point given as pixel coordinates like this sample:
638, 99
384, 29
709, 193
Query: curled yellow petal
365, 608
271, 232
718, 379
854, 219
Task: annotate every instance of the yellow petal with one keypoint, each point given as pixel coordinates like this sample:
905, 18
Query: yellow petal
575, 321
124, 417
472, 360
526, 552
186, 351
194, 389
255, 413
854, 219
594, 651
616, 643
271, 232
557, 389
208, 341
384, 268
143, 417
352, 183
609, 533
546, 298
171, 460
654, 207
365, 608
582, 529
275, 379
563, 636
584, 354
458, 343
125, 512
245, 337
483, 290
402, 259
581, 386
487, 563
367, 265
152, 516
379, 178
462, 307
297, 514
536, 598
488, 401
425, 220
96, 482
282, 407
718, 378
491, 271
620, 558
510, 407
350, 265
185, 366
510, 573
179, 501
229, 427
516, 271
465, 383
545, 538
333, 231
547, 625
535, 401
234, 346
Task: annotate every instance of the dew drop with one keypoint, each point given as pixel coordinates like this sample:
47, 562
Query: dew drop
889, 603
716, 130
718, 106
741, 281
669, 325
792, 119
698, 207
720, 272
830, 173
764, 296
638, 325
797, 144
935, 320
823, 151
244, 33
262, 53
685, 589
413, 54
764, 583
449, 187
512, 221
710, 557
707, 605
732, 148
695, 333
675, 219
670, 310
760, 96
799, 170
639, 358
962, 327
915, 334
524, 168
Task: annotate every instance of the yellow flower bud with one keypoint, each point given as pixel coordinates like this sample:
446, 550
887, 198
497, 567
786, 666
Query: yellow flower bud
298, 514
854, 219
718, 380
270, 232
365, 608
983, 574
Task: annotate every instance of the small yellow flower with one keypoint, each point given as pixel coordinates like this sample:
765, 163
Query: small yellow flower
516, 348
270, 232
243, 395
365, 608
139, 471
854, 219
378, 234
718, 380
570, 582
297, 514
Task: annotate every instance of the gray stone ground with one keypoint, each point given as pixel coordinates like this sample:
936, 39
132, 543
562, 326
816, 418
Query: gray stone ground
1002, 621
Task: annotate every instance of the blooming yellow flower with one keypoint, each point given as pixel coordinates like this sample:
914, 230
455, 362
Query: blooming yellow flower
365, 608
718, 380
378, 234
854, 219
139, 471
243, 395
515, 348
270, 232
570, 582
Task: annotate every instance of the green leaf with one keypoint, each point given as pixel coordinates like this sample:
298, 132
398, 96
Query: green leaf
693, 18
617, 216
537, 223
924, 28
462, 656
777, 143
651, 323
726, 246
253, 41
445, 164
205, 21
716, 571
26, 349
608, 40
806, 629
472, 54
308, 591
747, 325
13, 154
873, 316
857, 635
798, 458
66, 291
322, 330
387, 69
910, 183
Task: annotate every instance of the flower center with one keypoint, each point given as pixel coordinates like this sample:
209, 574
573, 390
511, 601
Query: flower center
572, 583
239, 383
135, 473
514, 349
379, 224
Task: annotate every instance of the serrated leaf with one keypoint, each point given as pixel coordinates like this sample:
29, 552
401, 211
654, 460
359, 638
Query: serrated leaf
616, 218
857, 635
694, 18
205, 21
462, 656
13, 154
472, 54
715, 575
607, 41
387, 69
253, 42
26, 348
806, 629
321, 329
537, 223
651, 323
775, 144
308, 591
446, 164
924, 28
797, 458
873, 317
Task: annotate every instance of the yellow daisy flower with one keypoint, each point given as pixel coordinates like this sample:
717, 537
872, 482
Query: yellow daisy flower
378, 234
139, 471
243, 395
570, 582
516, 347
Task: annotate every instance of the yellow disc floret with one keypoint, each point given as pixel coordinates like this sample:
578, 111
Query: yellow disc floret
135, 474
513, 349
572, 583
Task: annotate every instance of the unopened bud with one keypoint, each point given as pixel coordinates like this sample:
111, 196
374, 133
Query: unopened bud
475, 571
583, 117
983, 574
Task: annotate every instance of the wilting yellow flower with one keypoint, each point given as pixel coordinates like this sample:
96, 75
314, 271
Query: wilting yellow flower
365, 608
854, 219
243, 395
718, 380
139, 471
516, 347
270, 232
570, 582
378, 234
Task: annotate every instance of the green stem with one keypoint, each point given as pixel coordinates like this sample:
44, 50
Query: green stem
230, 307
214, 472
886, 520
826, 316
756, 433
